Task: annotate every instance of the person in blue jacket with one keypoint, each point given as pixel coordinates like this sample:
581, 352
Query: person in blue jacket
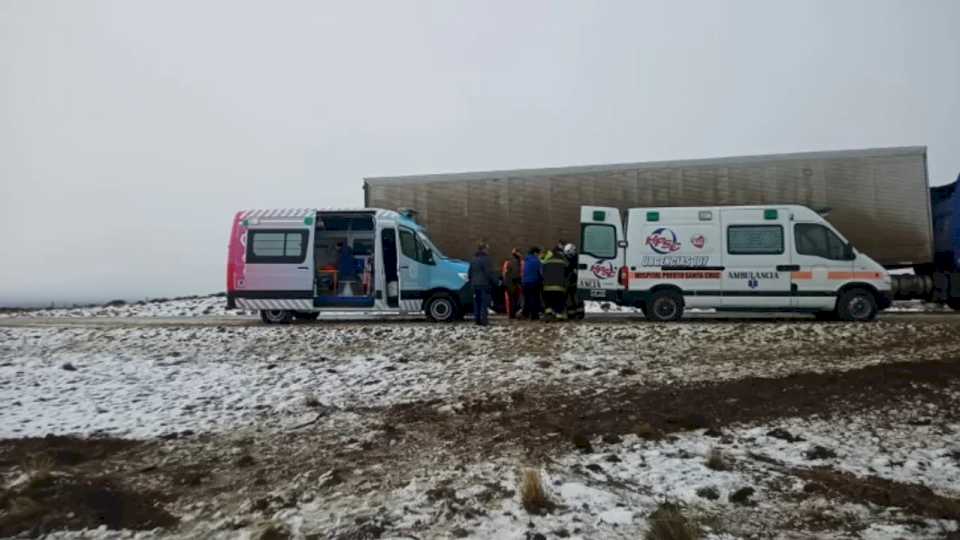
346, 268
532, 282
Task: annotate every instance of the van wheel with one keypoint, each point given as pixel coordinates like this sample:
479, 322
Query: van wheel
441, 307
306, 315
664, 306
857, 305
276, 316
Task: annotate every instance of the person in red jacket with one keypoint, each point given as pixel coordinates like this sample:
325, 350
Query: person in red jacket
511, 271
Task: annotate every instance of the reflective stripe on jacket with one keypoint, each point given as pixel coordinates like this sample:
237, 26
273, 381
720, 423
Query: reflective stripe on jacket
555, 274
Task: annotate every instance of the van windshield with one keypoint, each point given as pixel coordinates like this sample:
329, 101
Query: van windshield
436, 252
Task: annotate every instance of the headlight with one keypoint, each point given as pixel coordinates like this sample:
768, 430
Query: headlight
463, 275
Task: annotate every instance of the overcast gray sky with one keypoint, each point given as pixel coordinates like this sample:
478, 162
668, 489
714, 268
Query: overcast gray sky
130, 131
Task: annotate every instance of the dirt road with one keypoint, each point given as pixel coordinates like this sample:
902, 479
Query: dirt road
599, 318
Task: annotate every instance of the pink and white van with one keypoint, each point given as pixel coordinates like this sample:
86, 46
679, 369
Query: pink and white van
297, 263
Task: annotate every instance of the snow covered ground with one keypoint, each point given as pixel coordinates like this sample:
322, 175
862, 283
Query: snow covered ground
142, 382
408, 429
196, 306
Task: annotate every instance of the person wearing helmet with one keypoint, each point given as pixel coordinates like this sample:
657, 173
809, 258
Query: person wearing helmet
575, 307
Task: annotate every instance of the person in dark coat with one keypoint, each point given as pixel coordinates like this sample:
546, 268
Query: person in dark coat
483, 281
555, 275
531, 282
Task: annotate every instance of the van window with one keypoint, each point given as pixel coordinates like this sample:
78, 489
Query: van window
412, 247
276, 246
599, 241
754, 239
819, 241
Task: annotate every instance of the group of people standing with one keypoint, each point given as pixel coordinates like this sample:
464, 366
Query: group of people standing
542, 283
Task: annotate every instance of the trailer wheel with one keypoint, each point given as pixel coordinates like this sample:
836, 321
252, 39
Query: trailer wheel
857, 305
664, 306
306, 315
276, 316
441, 307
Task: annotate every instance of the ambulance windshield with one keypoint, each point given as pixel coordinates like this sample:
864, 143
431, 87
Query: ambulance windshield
436, 252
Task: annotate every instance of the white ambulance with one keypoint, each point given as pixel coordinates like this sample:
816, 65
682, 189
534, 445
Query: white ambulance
737, 258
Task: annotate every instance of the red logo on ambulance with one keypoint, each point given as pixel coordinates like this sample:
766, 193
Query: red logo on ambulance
698, 241
603, 271
663, 241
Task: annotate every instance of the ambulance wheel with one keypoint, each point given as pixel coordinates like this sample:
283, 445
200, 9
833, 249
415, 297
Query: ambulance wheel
856, 305
306, 315
276, 316
664, 306
441, 307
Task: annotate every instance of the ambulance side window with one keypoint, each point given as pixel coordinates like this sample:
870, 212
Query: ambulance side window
600, 241
412, 247
276, 246
755, 240
818, 241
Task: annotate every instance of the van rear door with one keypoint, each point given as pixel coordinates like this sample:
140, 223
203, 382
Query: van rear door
278, 265
601, 255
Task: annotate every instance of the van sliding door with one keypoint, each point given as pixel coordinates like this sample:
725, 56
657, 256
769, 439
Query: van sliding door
279, 267
757, 259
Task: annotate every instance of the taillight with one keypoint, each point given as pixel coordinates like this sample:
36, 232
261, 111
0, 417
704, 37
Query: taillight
623, 276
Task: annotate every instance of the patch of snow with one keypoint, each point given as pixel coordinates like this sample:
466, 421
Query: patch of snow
141, 382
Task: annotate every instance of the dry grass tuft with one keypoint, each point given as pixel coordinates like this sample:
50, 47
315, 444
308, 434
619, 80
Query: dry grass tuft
717, 461
668, 522
38, 469
532, 493
646, 431
582, 443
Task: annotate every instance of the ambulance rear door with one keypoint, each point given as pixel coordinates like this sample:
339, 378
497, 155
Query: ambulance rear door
602, 247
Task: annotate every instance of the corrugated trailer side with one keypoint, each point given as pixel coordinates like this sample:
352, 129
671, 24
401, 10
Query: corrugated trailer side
878, 198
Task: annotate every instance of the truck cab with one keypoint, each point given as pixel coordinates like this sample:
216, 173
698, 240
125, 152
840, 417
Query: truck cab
298, 263
736, 258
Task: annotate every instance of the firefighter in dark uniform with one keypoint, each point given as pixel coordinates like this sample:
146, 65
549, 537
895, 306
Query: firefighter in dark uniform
575, 307
555, 276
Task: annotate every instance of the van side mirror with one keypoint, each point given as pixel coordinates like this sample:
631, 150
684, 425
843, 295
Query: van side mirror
428, 256
848, 253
